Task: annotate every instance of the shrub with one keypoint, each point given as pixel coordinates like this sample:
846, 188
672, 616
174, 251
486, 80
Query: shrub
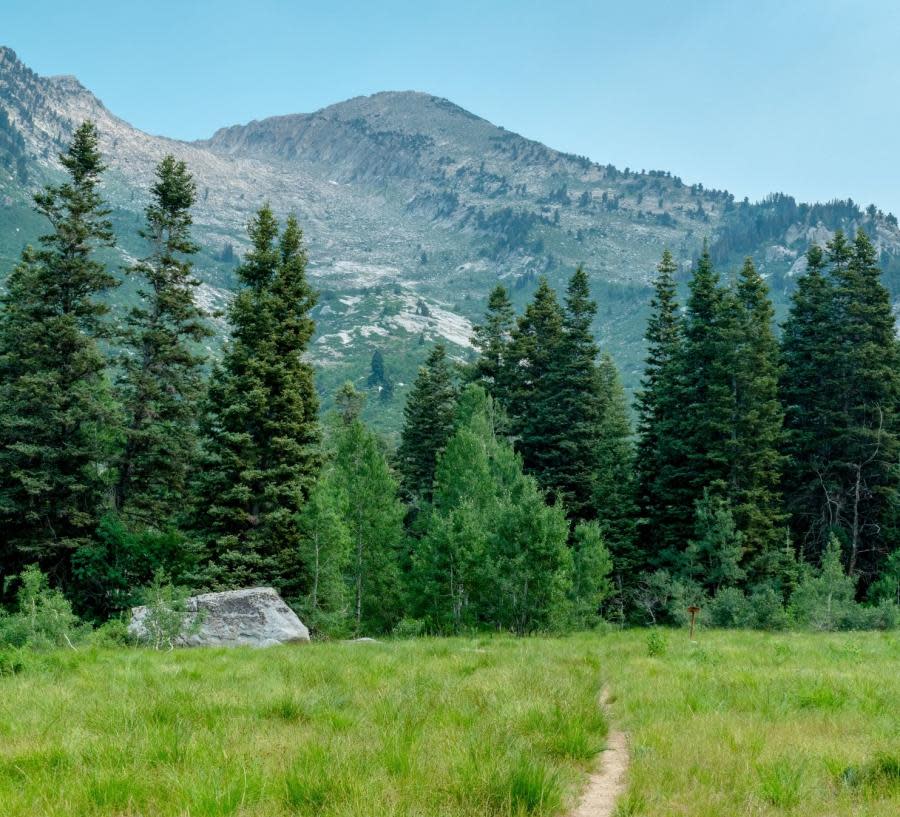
731, 608
12, 661
168, 617
43, 618
767, 609
656, 644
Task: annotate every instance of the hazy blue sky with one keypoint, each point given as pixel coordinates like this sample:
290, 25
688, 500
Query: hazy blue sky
801, 96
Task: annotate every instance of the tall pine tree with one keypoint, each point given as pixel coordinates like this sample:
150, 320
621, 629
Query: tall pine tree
161, 384
57, 418
260, 429
661, 455
491, 338
756, 458
614, 480
428, 423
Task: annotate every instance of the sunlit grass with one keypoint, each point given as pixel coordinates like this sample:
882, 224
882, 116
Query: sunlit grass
738, 724
450, 727
759, 724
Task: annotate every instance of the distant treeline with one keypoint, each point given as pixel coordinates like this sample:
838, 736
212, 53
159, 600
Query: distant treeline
762, 483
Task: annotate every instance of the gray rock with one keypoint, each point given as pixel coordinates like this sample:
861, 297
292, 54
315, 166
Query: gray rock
256, 617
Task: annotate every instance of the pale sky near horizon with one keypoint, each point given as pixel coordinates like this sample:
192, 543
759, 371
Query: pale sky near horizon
795, 96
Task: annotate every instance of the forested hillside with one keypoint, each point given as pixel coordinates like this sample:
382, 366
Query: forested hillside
761, 485
413, 210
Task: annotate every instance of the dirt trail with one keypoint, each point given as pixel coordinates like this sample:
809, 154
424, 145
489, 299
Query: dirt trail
608, 782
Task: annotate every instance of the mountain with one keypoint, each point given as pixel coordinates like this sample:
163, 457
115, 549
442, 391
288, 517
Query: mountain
413, 208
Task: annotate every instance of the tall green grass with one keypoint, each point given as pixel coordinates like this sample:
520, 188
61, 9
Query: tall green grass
452, 727
759, 724
738, 724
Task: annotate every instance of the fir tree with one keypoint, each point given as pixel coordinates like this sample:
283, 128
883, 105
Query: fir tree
491, 338
580, 399
57, 419
756, 458
808, 350
841, 387
708, 389
161, 383
428, 422
260, 428
614, 481
660, 457
535, 417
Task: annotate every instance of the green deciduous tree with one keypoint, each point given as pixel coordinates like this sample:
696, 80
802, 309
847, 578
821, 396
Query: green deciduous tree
57, 418
324, 553
261, 434
373, 515
494, 552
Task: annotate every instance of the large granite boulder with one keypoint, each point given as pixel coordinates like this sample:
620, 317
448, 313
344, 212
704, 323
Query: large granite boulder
256, 617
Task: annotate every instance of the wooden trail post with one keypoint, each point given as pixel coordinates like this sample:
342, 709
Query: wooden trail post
693, 610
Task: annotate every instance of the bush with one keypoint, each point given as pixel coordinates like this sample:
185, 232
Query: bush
824, 599
768, 610
656, 643
168, 617
732, 609
12, 661
43, 618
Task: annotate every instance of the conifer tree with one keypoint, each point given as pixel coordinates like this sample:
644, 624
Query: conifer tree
428, 422
842, 386
57, 418
660, 456
614, 481
162, 383
260, 428
756, 458
534, 408
491, 338
808, 349
581, 397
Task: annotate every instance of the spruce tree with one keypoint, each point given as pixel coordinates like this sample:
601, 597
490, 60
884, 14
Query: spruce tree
161, 384
534, 408
614, 480
57, 418
843, 448
428, 422
491, 339
660, 457
756, 458
707, 387
581, 396
808, 351
260, 453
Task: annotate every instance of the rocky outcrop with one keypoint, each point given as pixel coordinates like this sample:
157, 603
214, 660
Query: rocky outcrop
255, 617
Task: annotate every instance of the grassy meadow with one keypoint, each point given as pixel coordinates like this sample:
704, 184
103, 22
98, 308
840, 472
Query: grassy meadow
741, 723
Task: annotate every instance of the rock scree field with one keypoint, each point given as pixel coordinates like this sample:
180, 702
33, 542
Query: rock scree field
737, 723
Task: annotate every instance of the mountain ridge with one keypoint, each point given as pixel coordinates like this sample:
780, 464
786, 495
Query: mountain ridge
413, 208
